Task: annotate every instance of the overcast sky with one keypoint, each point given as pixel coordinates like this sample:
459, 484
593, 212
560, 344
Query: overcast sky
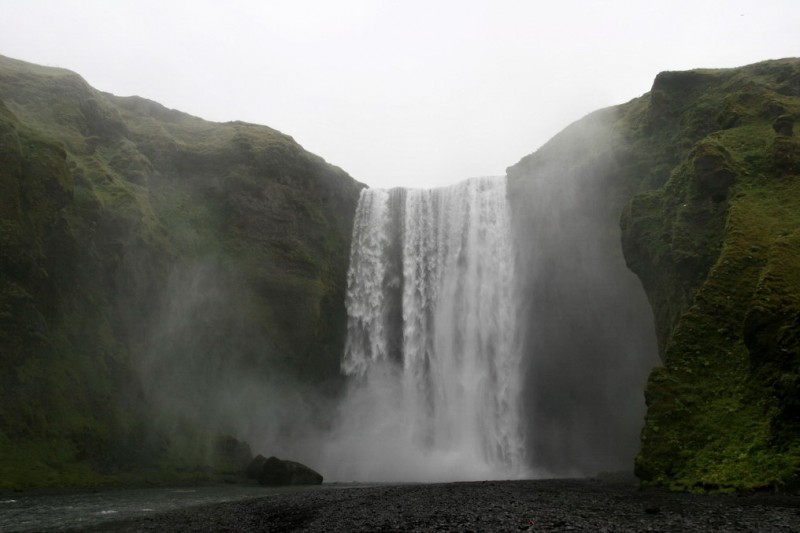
413, 93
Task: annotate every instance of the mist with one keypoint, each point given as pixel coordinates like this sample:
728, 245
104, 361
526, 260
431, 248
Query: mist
493, 331
431, 352
208, 369
566, 333
587, 328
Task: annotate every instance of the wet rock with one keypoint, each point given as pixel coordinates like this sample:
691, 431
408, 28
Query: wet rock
277, 472
544, 505
254, 468
232, 455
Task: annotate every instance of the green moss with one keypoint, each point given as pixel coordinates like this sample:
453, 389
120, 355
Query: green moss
106, 202
32, 462
716, 251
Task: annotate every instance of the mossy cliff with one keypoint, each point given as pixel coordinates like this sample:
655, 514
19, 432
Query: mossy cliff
718, 250
710, 167
144, 255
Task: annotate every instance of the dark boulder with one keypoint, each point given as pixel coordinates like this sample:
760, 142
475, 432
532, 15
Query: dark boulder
277, 472
254, 468
231, 455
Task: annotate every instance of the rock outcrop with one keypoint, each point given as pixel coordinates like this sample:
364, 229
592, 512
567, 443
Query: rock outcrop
276, 472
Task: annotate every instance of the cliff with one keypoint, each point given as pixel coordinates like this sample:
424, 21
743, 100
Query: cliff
707, 168
153, 267
718, 250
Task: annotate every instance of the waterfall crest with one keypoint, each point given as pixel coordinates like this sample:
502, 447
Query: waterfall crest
431, 347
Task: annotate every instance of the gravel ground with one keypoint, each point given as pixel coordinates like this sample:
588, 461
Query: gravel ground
541, 505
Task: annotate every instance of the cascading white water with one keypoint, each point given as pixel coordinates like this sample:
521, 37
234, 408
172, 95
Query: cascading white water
431, 347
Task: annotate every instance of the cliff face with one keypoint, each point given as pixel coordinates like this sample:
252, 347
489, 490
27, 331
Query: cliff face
146, 255
708, 171
718, 250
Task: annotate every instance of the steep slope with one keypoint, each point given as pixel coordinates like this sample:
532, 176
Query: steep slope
718, 251
147, 254
712, 166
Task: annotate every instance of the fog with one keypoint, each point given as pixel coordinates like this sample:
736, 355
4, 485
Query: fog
431, 354
547, 361
208, 369
589, 338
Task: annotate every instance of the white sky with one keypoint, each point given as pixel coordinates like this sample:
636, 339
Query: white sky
413, 93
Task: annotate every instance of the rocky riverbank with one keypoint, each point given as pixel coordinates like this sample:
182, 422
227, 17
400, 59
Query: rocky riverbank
542, 505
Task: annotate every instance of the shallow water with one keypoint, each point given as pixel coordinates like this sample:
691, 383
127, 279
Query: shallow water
77, 510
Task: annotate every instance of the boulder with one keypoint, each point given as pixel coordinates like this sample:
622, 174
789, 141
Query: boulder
231, 455
254, 468
277, 472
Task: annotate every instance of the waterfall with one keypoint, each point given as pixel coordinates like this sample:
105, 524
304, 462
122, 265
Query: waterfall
431, 353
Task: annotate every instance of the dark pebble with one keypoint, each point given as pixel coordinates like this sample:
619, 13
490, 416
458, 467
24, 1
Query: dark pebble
540, 505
